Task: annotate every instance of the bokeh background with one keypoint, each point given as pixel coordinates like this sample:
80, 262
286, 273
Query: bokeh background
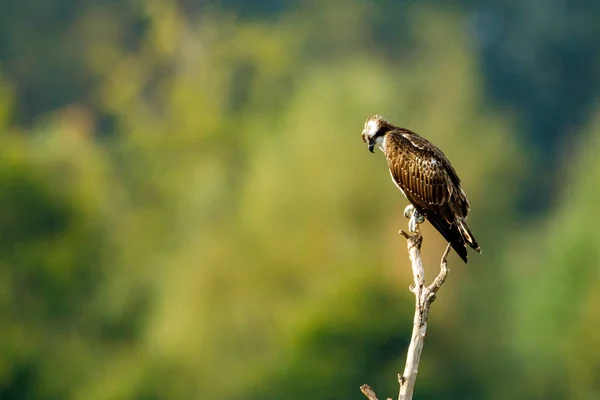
187, 210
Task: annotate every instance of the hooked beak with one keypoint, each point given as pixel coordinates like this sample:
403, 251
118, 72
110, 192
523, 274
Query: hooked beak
371, 145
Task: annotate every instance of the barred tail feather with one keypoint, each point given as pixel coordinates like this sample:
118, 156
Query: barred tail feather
467, 235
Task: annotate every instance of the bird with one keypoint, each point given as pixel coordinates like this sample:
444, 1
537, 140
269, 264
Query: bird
427, 179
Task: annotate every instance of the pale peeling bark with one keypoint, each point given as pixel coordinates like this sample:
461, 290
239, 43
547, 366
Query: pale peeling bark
424, 296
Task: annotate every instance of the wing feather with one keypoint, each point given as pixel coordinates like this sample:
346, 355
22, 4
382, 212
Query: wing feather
419, 171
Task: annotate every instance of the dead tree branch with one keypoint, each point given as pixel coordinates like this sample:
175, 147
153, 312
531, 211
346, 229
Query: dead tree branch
424, 296
367, 391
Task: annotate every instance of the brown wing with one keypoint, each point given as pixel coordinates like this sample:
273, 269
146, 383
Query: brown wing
425, 175
429, 182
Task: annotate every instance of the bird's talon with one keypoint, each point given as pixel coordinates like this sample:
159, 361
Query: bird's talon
416, 218
409, 211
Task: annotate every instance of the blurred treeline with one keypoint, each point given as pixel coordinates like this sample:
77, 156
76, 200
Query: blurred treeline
187, 210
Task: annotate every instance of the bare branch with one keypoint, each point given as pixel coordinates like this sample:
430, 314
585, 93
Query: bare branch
409, 377
367, 391
441, 278
424, 296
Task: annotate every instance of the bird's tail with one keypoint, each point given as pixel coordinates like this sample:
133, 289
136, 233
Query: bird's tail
452, 234
467, 235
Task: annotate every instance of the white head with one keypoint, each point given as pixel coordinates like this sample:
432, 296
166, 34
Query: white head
373, 133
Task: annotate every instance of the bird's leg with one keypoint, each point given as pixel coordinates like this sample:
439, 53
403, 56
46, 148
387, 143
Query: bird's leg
415, 218
412, 223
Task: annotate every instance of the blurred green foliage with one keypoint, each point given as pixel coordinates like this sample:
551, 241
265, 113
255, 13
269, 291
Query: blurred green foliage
189, 211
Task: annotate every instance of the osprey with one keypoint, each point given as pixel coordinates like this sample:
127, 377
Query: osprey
427, 179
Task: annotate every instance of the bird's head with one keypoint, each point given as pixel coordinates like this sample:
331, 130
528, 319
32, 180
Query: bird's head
374, 131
